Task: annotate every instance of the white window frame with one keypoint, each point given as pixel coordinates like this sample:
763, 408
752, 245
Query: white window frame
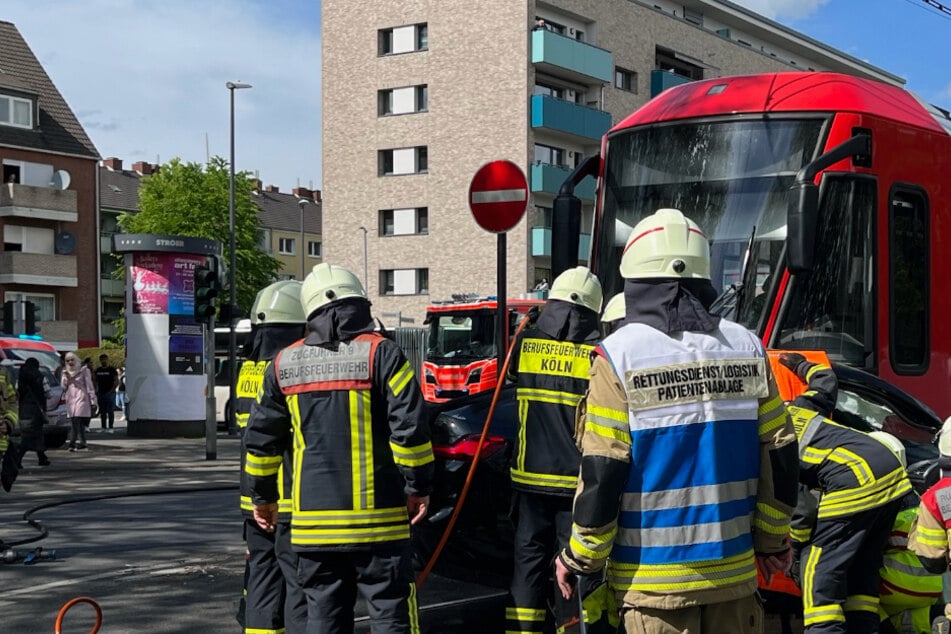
11, 104
287, 246
314, 249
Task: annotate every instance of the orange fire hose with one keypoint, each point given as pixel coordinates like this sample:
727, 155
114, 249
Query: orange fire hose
475, 458
71, 603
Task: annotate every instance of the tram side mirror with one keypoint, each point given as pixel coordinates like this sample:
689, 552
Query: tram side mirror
802, 216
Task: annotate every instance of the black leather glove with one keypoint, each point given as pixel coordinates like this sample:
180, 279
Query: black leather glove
795, 362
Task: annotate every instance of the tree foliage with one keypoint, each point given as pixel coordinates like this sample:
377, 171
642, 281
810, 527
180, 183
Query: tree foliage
189, 199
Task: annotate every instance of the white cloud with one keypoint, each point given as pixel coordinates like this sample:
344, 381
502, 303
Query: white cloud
147, 79
783, 9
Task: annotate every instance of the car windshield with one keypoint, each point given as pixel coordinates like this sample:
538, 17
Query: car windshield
730, 177
468, 334
46, 358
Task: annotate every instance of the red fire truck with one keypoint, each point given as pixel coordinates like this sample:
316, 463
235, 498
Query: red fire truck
827, 202
462, 353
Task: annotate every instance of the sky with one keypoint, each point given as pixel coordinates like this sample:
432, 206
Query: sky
146, 78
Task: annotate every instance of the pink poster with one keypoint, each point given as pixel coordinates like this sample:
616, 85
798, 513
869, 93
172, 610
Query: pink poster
150, 283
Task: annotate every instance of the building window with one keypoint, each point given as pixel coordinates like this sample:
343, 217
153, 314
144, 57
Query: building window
286, 246
625, 79
693, 16
16, 111
549, 25
404, 100
404, 39
404, 222
549, 155
908, 253
549, 91
542, 217
666, 59
265, 241
45, 303
410, 160
313, 248
28, 239
404, 282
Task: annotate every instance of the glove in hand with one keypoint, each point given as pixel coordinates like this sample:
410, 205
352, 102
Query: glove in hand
794, 361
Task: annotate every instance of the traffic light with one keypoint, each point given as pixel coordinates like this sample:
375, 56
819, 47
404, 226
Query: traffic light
8, 322
206, 290
29, 318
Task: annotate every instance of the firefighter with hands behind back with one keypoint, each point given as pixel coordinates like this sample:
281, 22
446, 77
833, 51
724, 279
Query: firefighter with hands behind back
273, 600
689, 466
550, 364
347, 404
860, 482
929, 533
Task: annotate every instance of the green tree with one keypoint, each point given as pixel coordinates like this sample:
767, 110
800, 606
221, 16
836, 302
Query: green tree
189, 199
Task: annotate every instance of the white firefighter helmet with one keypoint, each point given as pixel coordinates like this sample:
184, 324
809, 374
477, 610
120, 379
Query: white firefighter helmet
666, 244
328, 283
614, 309
278, 303
892, 443
944, 438
578, 286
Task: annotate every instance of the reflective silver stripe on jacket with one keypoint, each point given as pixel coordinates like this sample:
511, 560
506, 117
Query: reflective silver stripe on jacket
811, 428
304, 364
691, 534
691, 496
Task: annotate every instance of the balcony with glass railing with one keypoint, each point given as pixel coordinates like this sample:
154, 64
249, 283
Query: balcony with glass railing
541, 243
562, 56
661, 80
547, 178
581, 123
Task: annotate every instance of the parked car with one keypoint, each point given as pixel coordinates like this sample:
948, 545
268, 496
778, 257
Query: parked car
20, 349
56, 429
480, 548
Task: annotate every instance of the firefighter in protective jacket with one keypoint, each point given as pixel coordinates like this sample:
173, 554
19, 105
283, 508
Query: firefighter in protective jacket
861, 483
929, 535
550, 363
346, 402
688, 469
908, 590
274, 601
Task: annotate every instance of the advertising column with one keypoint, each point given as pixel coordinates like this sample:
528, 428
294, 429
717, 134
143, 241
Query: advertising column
165, 362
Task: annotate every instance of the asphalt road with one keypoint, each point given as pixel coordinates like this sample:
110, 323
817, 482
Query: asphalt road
151, 531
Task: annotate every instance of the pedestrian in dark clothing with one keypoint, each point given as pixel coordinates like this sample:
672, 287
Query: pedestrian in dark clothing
33, 391
107, 380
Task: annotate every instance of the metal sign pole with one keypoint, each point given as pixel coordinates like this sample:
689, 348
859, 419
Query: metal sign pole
502, 323
211, 425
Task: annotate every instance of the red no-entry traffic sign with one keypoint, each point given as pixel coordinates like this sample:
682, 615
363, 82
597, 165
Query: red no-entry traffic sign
498, 196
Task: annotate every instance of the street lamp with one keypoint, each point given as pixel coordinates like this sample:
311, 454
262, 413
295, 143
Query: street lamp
303, 268
366, 281
232, 338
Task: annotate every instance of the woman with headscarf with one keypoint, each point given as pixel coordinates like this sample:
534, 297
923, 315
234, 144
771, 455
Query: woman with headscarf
33, 391
80, 394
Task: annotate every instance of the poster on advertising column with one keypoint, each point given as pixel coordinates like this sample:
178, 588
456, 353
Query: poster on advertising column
163, 283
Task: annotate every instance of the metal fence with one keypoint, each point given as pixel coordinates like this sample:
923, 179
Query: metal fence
413, 342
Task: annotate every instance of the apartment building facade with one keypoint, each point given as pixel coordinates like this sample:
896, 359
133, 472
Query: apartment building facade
48, 201
417, 96
291, 228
